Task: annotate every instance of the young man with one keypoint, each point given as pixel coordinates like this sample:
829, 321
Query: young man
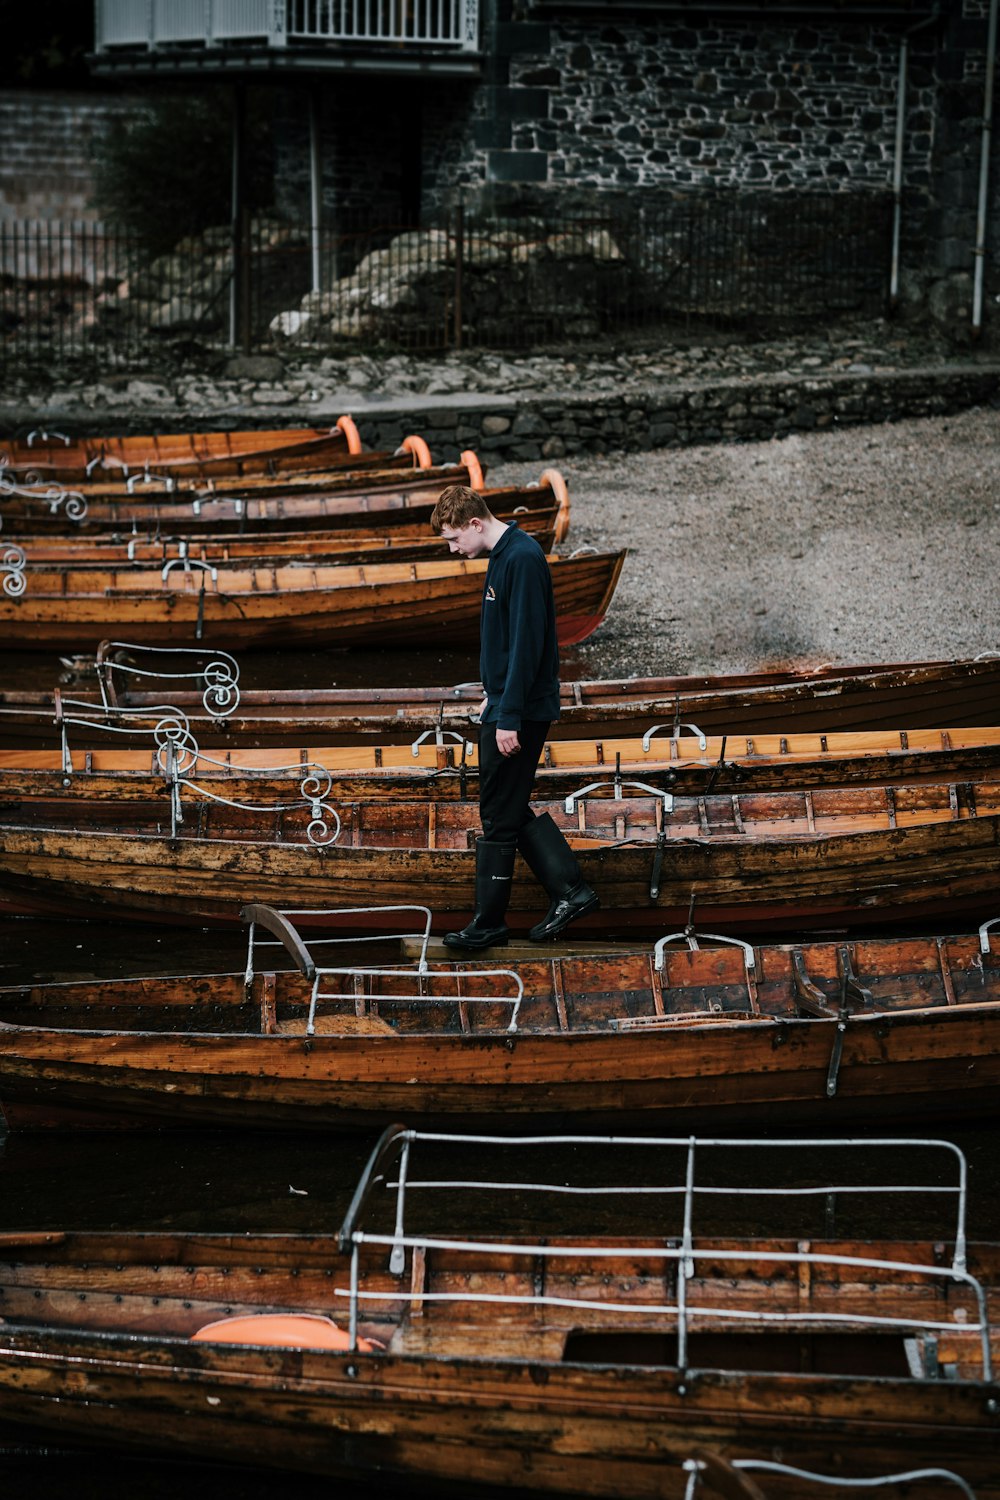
519, 665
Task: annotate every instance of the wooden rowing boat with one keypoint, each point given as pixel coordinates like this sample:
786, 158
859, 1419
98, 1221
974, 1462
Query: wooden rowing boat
559, 1360
400, 509
820, 1033
314, 500
542, 509
90, 765
183, 453
261, 550
118, 495
792, 861
917, 695
230, 606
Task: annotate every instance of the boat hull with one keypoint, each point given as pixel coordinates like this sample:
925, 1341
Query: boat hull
749, 882
482, 1425
918, 695
423, 603
943, 1065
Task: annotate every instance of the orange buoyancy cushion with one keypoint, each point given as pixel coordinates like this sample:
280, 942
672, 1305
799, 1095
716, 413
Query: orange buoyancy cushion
285, 1330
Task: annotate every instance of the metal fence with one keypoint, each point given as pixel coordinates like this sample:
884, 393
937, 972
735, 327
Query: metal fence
462, 280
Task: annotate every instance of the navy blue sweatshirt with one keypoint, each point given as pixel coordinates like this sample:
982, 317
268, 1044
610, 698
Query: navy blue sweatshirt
518, 650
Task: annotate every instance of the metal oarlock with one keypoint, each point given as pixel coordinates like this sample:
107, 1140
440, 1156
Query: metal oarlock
984, 934
674, 734
187, 563
617, 787
164, 481
692, 938
440, 737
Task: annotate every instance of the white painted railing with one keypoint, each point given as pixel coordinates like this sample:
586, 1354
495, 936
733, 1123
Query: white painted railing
275, 23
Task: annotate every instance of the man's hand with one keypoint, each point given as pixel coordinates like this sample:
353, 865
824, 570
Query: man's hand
508, 742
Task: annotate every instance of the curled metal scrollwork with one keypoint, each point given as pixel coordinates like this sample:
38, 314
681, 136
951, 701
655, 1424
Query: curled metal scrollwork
318, 784
318, 831
76, 505
178, 754
222, 692
12, 564
33, 488
176, 747
218, 678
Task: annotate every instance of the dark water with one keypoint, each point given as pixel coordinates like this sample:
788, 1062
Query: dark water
299, 1182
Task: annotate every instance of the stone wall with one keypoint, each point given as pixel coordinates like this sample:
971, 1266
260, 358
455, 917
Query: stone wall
686, 103
550, 428
546, 428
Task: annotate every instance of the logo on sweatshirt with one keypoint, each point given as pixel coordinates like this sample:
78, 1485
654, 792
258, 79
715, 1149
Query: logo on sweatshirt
491, 597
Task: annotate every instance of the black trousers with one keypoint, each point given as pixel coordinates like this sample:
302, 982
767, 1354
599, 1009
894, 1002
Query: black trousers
505, 782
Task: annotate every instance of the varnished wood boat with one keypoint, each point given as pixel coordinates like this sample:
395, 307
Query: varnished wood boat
296, 549
793, 861
238, 452
315, 500
92, 763
560, 1359
118, 495
820, 1033
914, 695
229, 606
541, 509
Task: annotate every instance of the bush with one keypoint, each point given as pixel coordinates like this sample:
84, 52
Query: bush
167, 173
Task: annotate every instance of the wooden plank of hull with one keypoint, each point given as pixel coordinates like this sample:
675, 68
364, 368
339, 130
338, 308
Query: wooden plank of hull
98, 1347
767, 881
928, 1046
442, 773
421, 602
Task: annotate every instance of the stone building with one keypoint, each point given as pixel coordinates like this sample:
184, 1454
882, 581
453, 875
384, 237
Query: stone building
561, 106
581, 102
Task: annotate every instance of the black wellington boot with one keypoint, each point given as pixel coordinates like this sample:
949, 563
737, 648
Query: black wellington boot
494, 868
553, 862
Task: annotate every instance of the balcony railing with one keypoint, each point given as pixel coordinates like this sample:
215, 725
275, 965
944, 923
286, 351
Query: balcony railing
154, 24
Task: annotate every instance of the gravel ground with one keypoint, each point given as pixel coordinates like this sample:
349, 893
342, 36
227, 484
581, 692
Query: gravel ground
857, 544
